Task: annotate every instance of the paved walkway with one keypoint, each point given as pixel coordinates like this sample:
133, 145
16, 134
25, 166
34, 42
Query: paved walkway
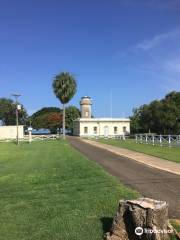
151, 161
150, 182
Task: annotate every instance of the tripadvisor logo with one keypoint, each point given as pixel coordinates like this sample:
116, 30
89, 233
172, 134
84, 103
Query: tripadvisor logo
139, 231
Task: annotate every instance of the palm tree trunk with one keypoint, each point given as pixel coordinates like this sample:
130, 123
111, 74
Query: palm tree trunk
64, 124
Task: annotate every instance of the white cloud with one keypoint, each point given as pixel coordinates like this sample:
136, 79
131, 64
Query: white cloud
172, 65
157, 40
171, 85
159, 57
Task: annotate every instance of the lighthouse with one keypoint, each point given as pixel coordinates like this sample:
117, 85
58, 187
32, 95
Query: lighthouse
88, 126
86, 104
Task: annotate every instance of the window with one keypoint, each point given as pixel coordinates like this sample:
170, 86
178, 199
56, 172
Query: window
95, 130
124, 129
115, 130
86, 114
85, 130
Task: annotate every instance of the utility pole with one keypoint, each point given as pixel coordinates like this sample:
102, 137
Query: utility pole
111, 103
18, 107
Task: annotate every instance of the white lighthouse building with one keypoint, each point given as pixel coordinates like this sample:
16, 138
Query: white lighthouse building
87, 126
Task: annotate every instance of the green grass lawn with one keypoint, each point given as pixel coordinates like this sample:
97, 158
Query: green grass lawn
172, 154
50, 191
176, 225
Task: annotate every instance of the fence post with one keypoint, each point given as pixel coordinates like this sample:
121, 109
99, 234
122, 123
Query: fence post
146, 139
176, 141
153, 139
141, 139
160, 140
136, 138
30, 136
169, 140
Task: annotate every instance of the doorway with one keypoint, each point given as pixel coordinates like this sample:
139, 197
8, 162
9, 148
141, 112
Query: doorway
106, 131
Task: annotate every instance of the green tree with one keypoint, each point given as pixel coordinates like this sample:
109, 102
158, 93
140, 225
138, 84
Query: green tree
51, 118
54, 122
135, 121
162, 117
72, 113
171, 110
48, 118
65, 87
8, 112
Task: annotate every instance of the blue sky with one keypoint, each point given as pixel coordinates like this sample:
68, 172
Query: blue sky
129, 47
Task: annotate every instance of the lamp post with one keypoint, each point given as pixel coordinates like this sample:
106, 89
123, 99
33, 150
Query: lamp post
18, 107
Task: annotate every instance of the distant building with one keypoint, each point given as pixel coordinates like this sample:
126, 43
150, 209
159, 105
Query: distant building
10, 132
86, 126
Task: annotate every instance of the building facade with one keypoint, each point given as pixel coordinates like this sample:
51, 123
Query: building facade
86, 126
10, 132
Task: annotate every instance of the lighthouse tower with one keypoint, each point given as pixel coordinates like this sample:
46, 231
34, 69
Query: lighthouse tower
86, 104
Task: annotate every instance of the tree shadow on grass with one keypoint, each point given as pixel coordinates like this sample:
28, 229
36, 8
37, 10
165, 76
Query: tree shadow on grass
106, 224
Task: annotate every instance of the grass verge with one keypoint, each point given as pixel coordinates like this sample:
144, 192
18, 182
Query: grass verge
50, 191
176, 225
171, 154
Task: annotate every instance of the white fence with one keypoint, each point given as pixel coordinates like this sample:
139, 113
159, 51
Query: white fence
162, 140
121, 137
41, 137
27, 138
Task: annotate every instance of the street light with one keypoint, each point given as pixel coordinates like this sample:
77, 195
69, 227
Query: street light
18, 107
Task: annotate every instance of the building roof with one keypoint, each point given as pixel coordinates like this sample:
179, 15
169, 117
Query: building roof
103, 120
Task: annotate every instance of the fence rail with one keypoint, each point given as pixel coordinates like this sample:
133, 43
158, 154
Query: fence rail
122, 137
34, 138
162, 140
42, 137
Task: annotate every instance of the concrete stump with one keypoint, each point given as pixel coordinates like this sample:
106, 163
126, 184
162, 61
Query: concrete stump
144, 218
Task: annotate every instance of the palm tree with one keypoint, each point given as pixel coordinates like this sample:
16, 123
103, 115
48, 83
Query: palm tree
65, 87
